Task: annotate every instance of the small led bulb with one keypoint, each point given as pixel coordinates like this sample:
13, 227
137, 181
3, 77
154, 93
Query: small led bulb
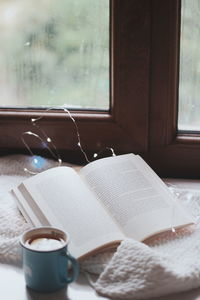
35, 160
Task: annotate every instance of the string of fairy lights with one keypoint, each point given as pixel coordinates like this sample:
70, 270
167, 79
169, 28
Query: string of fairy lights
47, 143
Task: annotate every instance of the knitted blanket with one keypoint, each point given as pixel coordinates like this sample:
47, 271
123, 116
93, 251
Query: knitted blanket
135, 271
166, 265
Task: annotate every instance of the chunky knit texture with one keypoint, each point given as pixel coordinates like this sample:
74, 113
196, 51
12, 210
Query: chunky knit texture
167, 265
135, 271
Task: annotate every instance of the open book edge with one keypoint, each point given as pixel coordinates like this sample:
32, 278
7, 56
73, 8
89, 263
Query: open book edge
112, 245
34, 215
105, 247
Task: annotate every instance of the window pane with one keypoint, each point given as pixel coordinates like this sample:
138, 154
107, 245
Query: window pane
54, 53
189, 85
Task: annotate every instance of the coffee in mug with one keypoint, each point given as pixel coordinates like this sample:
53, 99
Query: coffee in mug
46, 258
46, 243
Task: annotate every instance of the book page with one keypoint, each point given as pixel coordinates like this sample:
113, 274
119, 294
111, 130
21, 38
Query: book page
29, 214
134, 195
62, 200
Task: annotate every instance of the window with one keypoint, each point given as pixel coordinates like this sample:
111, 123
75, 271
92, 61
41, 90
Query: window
122, 127
189, 84
171, 152
143, 114
56, 54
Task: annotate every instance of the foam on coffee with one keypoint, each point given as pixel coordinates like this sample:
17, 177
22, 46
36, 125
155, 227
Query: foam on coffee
45, 243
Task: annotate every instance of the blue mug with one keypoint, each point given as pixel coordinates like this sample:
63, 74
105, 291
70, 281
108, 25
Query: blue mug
46, 259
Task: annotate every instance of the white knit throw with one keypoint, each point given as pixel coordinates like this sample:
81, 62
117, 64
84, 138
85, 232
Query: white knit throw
167, 265
135, 271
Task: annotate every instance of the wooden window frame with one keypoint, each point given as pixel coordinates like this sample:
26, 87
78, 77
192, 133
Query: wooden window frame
125, 126
144, 72
171, 153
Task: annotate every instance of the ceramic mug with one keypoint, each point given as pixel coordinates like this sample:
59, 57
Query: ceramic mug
46, 259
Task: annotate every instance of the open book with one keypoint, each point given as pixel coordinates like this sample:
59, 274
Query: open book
107, 201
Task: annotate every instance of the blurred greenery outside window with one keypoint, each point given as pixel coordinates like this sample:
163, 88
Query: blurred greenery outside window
54, 53
189, 78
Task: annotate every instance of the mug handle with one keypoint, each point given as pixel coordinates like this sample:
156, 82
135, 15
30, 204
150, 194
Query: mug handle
75, 267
